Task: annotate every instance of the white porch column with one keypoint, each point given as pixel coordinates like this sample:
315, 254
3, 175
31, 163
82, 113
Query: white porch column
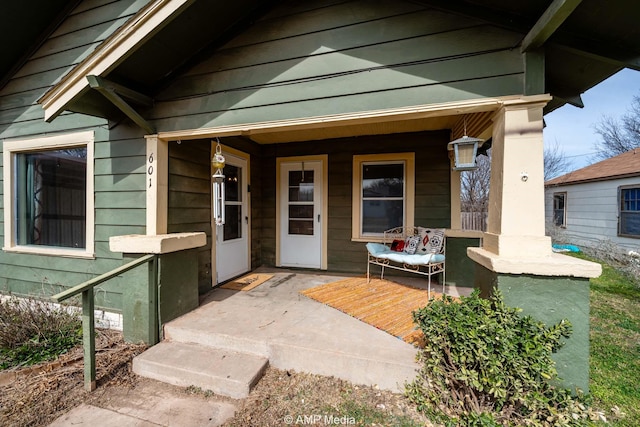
516, 200
515, 241
157, 185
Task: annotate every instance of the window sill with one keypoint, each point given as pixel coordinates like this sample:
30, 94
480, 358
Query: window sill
50, 251
367, 239
465, 234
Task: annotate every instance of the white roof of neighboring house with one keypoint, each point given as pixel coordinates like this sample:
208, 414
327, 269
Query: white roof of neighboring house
622, 166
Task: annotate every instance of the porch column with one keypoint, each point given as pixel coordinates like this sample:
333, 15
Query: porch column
157, 185
516, 200
516, 256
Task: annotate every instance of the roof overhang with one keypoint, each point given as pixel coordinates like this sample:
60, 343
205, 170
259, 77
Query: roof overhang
571, 47
111, 53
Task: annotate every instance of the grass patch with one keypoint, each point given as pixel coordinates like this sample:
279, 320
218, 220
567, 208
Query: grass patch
295, 398
34, 331
351, 412
615, 346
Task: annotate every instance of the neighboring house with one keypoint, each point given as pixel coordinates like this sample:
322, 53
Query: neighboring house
600, 202
109, 122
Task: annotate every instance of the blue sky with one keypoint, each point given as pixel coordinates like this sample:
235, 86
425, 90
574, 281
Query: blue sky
573, 127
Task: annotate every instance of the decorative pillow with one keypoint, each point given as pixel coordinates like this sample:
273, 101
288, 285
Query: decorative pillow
431, 240
411, 244
397, 245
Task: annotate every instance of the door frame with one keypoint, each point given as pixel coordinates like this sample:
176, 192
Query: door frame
323, 159
214, 230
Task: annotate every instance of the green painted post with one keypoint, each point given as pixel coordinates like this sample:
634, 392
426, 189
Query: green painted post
88, 340
154, 309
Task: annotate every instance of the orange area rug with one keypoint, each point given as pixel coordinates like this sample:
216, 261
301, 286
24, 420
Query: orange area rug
386, 305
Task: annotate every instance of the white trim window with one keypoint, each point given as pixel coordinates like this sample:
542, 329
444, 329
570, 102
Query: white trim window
48, 195
560, 209
629, 212
383, 193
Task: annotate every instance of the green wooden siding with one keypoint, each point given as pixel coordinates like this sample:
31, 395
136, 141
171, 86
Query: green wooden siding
190, 198
432, 198
339, 58
119, 161
303, 59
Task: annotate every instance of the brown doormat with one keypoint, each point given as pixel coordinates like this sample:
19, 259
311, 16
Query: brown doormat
248, 282
386, 305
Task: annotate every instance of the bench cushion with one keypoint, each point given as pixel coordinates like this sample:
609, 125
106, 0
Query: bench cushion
381, 251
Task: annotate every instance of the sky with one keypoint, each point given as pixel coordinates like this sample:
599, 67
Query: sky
573, 127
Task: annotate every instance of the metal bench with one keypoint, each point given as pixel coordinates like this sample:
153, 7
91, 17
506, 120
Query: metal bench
427, 260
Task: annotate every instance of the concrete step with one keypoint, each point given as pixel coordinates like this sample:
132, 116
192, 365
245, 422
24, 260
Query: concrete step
173, 331
224, 372
359, 353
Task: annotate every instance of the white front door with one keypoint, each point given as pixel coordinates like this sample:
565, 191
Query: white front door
301, 214
232, 238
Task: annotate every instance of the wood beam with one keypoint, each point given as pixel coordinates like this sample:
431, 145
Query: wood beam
548, 23
622, 56
110, 93
534, 72
123, 91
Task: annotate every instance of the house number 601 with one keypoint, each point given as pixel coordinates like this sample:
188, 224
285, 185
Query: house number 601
150, 169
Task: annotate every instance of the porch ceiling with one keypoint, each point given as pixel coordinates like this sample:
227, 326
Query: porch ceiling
585, 41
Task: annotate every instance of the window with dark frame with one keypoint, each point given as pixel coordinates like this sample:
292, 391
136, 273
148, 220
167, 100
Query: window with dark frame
51, 191
559, 209
383, 191
629, 211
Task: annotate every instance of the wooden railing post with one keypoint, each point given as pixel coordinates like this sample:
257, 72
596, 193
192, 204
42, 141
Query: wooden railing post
88, 305
89, 340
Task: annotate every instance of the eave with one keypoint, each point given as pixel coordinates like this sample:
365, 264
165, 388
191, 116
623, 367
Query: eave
111, 53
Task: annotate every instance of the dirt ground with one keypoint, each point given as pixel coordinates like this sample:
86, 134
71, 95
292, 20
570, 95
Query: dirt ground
36, 397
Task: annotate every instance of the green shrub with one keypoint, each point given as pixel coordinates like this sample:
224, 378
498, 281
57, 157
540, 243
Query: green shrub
33, 331
483, 364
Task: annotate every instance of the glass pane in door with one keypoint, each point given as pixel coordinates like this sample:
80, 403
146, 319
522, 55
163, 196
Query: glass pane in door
233, 222
301, 202
233, 203
232, 183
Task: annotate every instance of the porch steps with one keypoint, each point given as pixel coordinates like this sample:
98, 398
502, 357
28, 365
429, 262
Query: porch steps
225, 372
371, 357
275, 324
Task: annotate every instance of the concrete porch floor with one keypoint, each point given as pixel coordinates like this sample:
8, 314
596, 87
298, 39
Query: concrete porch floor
275, 322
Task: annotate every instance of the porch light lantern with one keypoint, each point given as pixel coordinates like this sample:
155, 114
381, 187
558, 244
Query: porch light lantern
464, 150
218, 161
